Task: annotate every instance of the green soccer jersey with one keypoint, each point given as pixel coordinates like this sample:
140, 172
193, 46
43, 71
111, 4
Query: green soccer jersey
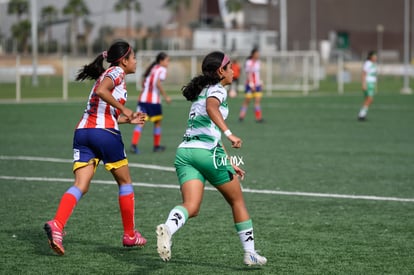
201, 131
370, 68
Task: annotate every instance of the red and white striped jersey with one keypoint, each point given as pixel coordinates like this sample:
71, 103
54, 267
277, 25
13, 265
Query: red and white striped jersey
98, 113
252, 69
151, 93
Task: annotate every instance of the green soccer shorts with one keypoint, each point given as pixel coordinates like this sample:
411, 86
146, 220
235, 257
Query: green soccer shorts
370, 91
203, 164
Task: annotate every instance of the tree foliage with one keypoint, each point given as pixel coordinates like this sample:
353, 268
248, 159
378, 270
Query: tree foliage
18, 7
76, 8
235, 5
21, 32
174, 5
128, 6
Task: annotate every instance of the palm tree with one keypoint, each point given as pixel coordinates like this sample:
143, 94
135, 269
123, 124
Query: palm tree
21, 32
175, 7
235, 5
128, 6
105, 34
18, 7
49, 14
75, 8
88, 29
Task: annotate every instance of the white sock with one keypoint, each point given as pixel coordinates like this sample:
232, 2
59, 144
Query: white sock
363, 112
245, 231
247, 240
176, 219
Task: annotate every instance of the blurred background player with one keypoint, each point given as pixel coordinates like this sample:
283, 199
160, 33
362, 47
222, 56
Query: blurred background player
369, 83
201, 156
253, 86
149, 101
97, 137
235, 66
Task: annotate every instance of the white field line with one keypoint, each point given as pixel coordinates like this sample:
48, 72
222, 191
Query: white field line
137, 165
170, 186
245, 190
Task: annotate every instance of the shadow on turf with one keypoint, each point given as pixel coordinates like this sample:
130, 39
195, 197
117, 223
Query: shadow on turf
35, 236
144, 259
147, 261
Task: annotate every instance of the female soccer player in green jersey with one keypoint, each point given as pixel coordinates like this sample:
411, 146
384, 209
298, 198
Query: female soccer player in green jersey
201, 156
369, 83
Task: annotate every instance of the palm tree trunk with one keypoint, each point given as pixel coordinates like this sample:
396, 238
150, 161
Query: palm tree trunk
128, 18
49, 37
73, 36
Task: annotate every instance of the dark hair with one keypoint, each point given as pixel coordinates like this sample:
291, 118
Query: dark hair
160, 57
371, 54
117, 51
209, 76
253, 51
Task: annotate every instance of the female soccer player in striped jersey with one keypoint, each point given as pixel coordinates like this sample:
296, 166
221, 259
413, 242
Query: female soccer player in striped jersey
253, 86
201, 156
97, 137
369, 81
149, 101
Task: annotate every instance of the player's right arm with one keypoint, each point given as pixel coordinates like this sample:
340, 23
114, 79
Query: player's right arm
213, 111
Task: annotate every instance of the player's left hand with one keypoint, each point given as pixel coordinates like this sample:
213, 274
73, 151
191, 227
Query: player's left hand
240, 172
138, 118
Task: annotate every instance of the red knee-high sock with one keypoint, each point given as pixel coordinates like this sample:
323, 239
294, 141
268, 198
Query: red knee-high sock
243, 111
258, 112
157, 136
66, 205
136, 135
127, 207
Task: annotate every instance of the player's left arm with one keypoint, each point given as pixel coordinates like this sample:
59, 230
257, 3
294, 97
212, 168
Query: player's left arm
240, 172
364, 80
162, 91
137, 118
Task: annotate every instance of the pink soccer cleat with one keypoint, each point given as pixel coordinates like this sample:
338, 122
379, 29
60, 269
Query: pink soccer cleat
55, 237
136, 240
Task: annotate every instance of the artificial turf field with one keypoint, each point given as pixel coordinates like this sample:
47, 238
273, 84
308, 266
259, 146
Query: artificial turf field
327, 194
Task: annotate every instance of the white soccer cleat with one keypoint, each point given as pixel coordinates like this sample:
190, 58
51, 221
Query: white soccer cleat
164, 242
253, 258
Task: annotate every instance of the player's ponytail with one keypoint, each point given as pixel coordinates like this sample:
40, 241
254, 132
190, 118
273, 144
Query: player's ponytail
114, 55
211, 63
160, 57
